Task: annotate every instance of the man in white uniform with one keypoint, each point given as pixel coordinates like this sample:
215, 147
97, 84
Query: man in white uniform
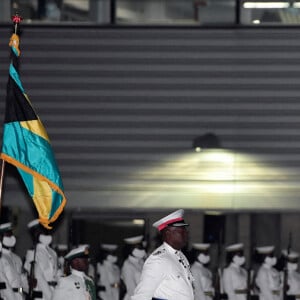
235, 277
33, 288
44, 260
166, 273
132, 267
77, 285
268, 279
6, 290
203, 276
61, 251
293, 275
13, 265
109, 273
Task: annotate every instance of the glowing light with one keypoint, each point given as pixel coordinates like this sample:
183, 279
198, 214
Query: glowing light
138, 221
266, 4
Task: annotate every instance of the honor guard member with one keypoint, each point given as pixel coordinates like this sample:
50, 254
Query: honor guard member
77, 285
61, 251
203, 282
109, 273
45, 260
293, 275
268, 279
13, 265
34, 287
133, 264
234, 275
6, 290
166, 273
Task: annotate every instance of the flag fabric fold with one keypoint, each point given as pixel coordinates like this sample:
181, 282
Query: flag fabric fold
26, 146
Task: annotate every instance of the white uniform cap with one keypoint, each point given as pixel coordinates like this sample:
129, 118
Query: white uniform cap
201, 246
6, 227
174, 219
33, 223
134, 240
291, 254
82, 251
234, 247
62, 247
109, 247
265, 249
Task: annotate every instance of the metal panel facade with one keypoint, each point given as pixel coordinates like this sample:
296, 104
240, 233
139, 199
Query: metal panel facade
123, 105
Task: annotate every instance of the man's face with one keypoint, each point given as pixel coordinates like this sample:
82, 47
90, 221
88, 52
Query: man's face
177, 237
80, 264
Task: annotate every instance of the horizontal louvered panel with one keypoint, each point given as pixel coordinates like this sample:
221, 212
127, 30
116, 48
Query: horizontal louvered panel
122, 107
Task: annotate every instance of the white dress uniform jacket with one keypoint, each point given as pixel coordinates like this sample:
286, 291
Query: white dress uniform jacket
293, 282
72, 287
110, 279
7, 293
11, 272
269, 283
166, 275
131, 274
235, 282
203, 281
46, 261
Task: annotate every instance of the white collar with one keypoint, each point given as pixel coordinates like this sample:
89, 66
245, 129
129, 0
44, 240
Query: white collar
265, 265
235, 265
6, 251
78, 273
170, 248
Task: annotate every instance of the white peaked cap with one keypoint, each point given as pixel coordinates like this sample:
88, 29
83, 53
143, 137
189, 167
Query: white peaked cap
62, 247
81, 251
134, 240
174, 219
290, 254
201, 246
33, 223
265, 249
109, 247
6, 227
235, 247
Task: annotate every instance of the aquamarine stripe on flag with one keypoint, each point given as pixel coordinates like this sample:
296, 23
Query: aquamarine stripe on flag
38, 155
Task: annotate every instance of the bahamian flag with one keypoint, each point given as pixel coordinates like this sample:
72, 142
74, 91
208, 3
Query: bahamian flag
26, 146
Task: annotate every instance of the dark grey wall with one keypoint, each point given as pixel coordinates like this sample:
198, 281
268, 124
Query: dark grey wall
122, 106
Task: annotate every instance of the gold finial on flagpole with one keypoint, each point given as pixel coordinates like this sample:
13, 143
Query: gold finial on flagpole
16, 20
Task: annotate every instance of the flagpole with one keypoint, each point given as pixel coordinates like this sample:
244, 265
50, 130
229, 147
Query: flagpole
16, 20
1, 183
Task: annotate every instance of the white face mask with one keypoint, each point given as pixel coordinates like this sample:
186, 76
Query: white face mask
271, 261
45, 239
292, 266
139, 253
204, 259
112, 258
9, 241
239, 260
